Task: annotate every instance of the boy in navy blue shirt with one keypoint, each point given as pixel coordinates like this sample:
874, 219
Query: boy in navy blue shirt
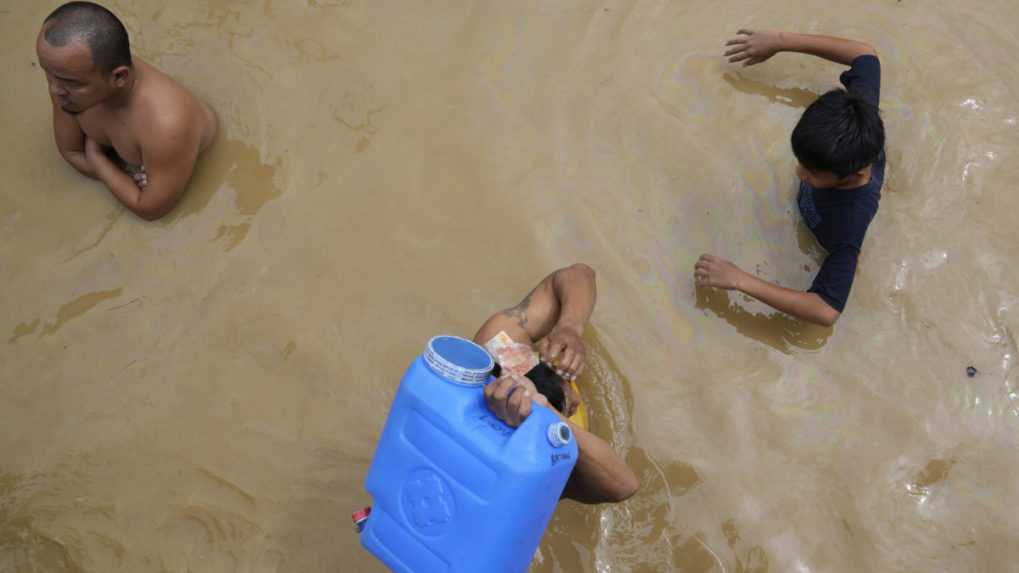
839, 142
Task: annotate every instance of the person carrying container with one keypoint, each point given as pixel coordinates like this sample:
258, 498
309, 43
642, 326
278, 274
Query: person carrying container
539, 350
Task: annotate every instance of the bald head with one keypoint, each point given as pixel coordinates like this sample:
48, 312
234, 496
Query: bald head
94, 25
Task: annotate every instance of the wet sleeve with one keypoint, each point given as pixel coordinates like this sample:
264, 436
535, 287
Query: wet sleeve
835, 278
864, 78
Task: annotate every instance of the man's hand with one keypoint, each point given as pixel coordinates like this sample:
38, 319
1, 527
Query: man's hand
140, 178
93, 153
753, 46
510, 398
717, 272
563, 350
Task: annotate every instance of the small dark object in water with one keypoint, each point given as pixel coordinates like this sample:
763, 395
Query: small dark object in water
970, 371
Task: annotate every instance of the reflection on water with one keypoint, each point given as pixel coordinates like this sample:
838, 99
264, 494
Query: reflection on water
694, 554
234, 234
23, 329
792, 97
66, 313
230, 166
24, 545
111, 219
25, 549
776, 329
751, 560
288, 349
234, 166
809, 246
935, 471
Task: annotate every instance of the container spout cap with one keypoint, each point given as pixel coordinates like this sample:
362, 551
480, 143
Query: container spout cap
458, 360
559, 434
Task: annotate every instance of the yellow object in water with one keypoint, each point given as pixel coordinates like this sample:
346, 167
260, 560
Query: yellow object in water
580, 416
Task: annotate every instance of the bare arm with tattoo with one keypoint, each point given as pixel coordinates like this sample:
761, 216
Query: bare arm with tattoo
553, 315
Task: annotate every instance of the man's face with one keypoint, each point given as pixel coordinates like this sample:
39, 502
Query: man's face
74, 81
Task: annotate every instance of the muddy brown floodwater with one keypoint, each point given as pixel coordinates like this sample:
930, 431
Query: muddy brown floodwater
204, 393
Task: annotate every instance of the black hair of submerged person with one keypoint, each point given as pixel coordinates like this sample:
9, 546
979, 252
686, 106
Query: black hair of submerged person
841, 133
549, 384
103, 33
546, 382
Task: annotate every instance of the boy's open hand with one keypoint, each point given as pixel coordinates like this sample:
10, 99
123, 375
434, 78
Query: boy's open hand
753, 46
717, 272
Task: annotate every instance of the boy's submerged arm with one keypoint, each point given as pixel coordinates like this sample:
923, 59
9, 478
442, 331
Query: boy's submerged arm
806, 306
718, 272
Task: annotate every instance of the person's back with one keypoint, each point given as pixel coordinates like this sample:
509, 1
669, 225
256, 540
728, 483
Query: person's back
839, 143
116, 118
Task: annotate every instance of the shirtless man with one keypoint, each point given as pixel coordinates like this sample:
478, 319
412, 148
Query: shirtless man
538, 346
116, 118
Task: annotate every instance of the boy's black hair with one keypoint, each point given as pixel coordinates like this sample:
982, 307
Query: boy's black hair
840, 133
546, 381
99, 28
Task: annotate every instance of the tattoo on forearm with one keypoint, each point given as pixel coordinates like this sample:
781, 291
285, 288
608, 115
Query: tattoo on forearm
519, 312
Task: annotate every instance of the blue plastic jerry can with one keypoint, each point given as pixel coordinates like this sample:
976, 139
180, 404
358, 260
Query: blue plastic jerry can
455, 489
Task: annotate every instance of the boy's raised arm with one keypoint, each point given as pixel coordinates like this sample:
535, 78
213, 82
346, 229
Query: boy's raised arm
755, 46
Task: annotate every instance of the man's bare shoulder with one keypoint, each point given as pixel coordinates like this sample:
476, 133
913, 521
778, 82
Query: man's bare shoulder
166, 108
